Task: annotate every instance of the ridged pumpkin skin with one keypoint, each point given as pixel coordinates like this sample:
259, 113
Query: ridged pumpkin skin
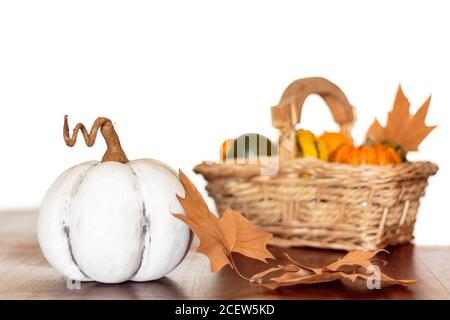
376, 154
112, 222
334, 140
249, 145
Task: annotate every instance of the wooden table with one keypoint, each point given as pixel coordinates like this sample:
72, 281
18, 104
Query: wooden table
25, 274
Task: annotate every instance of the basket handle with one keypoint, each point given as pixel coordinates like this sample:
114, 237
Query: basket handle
286, 115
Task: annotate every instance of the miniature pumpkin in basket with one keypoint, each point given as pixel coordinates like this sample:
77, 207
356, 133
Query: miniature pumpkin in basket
376, 153
111, 221
249, 145
334, 140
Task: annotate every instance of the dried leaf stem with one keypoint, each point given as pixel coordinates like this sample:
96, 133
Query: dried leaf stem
114, 151
237, 270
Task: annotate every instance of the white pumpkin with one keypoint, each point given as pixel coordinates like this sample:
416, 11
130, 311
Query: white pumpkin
111, 221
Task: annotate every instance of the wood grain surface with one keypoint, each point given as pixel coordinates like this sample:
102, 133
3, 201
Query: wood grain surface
25, 274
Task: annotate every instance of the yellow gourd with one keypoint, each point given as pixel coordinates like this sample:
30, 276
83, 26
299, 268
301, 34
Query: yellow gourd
310, 146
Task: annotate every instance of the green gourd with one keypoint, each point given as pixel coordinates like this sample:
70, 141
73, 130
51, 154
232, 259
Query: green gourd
251, 145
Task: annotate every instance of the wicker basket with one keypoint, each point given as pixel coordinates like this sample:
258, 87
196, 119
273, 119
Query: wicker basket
309, 202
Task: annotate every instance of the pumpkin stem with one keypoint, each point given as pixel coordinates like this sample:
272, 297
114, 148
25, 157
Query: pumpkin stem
114, 151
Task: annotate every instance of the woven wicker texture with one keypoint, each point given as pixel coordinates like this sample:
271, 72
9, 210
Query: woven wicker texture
310, 202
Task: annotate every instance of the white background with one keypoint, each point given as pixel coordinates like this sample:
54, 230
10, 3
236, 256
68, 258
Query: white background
178, 77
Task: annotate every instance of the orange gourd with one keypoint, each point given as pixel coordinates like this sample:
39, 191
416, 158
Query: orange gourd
333, 140
376, 154
225, 148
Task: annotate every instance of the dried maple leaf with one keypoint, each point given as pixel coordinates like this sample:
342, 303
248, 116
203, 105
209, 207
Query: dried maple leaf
356, 258
403, 128
294, 273
220, 237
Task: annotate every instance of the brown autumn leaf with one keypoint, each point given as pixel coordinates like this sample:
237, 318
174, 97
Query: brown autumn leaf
357, 258
294, 273
403, 128
220, 237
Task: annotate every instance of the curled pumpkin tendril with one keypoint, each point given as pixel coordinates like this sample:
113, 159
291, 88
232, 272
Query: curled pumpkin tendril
114, 151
